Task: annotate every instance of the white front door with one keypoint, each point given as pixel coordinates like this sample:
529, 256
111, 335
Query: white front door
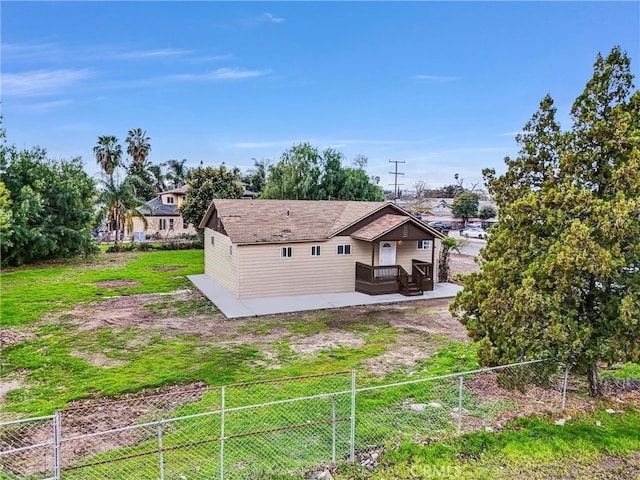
387, 253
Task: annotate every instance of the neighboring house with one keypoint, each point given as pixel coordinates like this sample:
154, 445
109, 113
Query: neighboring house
163, 218
266, 248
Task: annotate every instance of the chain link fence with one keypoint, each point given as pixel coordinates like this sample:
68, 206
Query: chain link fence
256, 429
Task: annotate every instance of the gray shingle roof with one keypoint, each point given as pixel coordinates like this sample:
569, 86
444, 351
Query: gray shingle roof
155, 207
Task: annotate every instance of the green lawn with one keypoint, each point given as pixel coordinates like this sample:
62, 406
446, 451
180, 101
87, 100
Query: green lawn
589, 445
28, 294
60, 360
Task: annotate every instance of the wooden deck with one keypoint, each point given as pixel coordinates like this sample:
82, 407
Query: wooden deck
379, 280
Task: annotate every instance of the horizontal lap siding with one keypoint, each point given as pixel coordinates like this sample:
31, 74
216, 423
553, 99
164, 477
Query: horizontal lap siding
264, 273
218, 264
407, 251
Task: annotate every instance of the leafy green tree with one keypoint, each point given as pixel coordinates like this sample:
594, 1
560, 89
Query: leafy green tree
159, 179
465, 206
205, 184
561, 273
256, 178
177, 172
486, 212
5, 208
142, 179
50, 212
108, 153
138, 145
297, 175
304, 174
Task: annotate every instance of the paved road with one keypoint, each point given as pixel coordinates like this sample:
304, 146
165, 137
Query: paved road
472, 245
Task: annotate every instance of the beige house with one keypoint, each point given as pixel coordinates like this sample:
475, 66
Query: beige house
266, 248
163, 219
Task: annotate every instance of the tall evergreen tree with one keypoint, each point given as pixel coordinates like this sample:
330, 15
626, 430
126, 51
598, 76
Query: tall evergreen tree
561, 273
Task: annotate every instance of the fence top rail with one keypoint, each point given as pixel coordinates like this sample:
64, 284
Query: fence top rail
202, 389
27, 420
450, 375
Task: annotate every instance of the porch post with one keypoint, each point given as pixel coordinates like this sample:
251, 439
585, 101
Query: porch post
373, 252
433, 256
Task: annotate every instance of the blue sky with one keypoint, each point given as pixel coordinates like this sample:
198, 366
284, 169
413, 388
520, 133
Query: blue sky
442, 86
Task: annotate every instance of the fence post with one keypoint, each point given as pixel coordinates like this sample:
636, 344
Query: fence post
564, 386
352, 436
459, 428
222, 435
333, 428
57, 453
161, 456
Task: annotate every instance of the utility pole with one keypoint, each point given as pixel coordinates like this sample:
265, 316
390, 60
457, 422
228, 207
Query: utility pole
395, 176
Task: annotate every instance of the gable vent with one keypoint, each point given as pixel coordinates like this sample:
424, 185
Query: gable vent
405, 231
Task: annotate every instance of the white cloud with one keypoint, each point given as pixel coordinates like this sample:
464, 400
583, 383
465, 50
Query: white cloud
271, 18
437, 78
221, 74
42, 82
510, 134
164, 52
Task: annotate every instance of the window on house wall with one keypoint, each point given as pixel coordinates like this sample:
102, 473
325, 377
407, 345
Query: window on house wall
315, 250
169, 199
213, 240
185, 225
171, 224
163, 223
424, 244
286, 252
230, 250
344, 249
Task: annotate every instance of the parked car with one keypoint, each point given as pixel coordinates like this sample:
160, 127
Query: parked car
441, 227
474, 232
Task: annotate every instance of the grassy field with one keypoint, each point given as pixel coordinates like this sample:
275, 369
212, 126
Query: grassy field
67, 342
131, 323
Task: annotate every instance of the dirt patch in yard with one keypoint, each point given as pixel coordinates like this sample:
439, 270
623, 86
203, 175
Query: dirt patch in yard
408, 349
97, 359
168, 268
325, 341
11, 337
117, 283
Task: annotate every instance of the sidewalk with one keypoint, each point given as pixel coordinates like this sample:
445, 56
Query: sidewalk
233, 307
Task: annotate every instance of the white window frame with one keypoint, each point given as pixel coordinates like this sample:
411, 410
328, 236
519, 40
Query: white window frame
315, 250
171, 223
345, 247
286, 252
422, 243
162, 223
169, 199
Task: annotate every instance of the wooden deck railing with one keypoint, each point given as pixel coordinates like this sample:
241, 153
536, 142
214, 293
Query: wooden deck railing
422, 273
378, 279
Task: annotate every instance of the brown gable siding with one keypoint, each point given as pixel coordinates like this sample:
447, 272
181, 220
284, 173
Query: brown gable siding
387, 210
408, 232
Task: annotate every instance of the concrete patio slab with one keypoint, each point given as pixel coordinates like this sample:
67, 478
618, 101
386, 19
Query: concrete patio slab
233, 307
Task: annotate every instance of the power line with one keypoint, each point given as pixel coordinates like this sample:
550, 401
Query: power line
395, 181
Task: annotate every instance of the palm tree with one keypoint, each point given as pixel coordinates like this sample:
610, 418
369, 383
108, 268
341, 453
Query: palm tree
139, 145
177, 172
121, 202
159, 178
108, 153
